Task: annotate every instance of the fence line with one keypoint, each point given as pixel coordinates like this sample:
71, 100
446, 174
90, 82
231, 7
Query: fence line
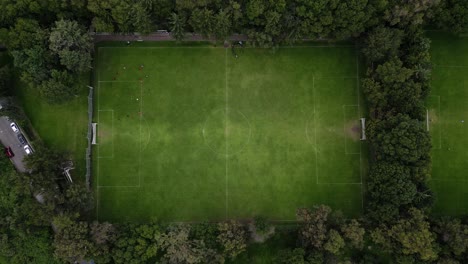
89, 137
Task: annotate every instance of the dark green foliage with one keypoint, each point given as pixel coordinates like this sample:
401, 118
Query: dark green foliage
354, 233
390, 89
202, 21
314, 232
137, 243
28, 246
291, 256
408, 237
390, 189
59, 87
407, 14
232, 238
325, 232
452, 15
452, 234
33, 62
5, 80
177, 26
72, 242
208, 232
49, 45
261, 225
25, 237
78, 198
401, 139
179, 248
70, 42
382, 43
335, 243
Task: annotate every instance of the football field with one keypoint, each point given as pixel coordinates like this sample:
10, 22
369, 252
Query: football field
192, 133
448, 123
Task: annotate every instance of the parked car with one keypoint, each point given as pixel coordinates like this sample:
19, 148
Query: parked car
14, 127
21, 139
27, 149
9, 152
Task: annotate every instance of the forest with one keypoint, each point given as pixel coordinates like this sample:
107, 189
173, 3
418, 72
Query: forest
50, 44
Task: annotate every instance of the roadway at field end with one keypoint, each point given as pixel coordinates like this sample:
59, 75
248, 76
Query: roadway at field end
10, 139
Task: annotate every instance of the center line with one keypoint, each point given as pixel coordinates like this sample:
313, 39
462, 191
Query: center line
226, 127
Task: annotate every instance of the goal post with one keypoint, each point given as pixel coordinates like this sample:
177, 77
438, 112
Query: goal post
94, 133
363, 128
427, 119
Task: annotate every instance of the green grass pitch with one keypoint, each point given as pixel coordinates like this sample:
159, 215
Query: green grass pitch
448, 123
192, 133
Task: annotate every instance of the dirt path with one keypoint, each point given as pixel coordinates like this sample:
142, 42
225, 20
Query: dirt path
156, 36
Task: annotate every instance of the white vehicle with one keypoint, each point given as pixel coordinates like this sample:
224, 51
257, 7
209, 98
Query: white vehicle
14, 127
27, 149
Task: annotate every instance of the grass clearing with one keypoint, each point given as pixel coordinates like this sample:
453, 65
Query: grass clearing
448, 114
61, 126
192, 133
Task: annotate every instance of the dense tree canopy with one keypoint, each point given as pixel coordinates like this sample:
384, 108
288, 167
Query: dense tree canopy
50, 46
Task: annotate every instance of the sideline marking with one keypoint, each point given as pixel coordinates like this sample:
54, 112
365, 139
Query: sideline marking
315, 131
97, 169
358, 85
225, 129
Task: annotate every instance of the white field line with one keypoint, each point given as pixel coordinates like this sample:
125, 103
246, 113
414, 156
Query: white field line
449, 66
359, 112
225, 127
440, 114
344, 129
97, 170
119, 186
445, 180
117, 81
340, 183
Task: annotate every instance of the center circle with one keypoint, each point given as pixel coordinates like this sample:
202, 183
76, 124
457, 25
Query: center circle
226, 131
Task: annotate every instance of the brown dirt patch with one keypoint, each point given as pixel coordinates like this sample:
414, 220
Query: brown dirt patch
104, 133
352, 130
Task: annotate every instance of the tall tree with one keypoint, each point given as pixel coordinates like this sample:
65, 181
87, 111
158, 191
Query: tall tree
137, 243
141, 18
382, 43
232, 238
202, 21
178, 247
177, 26
72, 241
69, 41
401, 139
390, 189
452, 15
313, 232
410, 236
59, 88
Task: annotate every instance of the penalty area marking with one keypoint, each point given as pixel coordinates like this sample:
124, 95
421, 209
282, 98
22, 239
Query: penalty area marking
345, 153
112, 133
